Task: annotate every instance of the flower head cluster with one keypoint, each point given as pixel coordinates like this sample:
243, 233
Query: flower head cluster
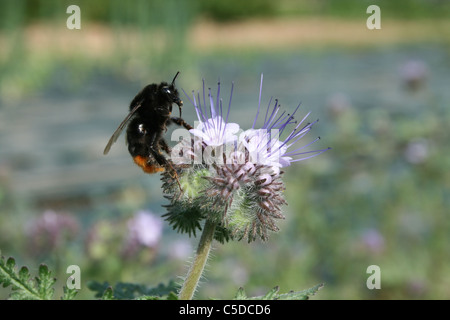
231, 176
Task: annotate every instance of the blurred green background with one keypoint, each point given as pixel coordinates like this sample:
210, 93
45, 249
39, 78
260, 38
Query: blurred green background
379, 197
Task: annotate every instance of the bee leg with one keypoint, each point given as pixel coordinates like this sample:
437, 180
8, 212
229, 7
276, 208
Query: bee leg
181, 122
165, 146
162, 161
175, 174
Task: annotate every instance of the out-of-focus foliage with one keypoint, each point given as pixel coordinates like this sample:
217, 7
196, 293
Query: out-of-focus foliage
107, 11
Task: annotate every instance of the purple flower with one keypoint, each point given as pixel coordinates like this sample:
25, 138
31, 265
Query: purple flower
180, 249
236, 180
144, 230
417, 151
414, 74
50, 231
267, 141
373, 240
212, 128
264, 144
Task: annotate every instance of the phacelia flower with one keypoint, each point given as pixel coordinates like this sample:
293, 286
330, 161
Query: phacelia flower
214, 131
414, 74
144, 230
51, 231
231, 176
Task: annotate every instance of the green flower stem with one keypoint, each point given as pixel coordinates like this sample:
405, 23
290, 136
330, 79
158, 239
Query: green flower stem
198, 265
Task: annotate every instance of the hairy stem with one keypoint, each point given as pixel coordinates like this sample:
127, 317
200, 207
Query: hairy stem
192, 278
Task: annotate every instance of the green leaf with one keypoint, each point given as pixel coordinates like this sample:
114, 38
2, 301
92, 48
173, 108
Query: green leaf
170, 296
24, 274
98, 288
274, 295
129, 291
300, 295
22, 287
69, 294
148, 298
45, 282
240, 295
108, 294
164, 290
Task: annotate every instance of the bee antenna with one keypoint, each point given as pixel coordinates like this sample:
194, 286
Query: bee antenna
173, 81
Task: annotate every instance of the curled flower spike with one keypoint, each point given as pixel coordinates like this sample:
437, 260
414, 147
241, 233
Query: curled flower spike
266, 141
234, 181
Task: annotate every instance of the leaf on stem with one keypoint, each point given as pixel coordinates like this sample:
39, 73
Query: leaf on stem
274, 295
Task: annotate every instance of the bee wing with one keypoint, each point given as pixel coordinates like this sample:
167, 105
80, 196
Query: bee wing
118, 131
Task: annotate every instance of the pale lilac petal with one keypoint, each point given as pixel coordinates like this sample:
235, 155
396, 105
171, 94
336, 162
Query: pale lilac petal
265, 147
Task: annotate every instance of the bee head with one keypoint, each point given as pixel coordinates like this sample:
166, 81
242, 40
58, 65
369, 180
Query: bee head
171, 93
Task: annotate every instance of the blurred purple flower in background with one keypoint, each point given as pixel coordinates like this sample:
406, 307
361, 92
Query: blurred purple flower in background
373, 241
417, 151
414, 74
144, 230
180, 250
51, 231
338, 103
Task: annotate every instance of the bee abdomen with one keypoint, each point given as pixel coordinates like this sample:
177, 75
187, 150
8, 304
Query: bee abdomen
146, 166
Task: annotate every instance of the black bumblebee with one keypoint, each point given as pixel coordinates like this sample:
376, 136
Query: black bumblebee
150, 114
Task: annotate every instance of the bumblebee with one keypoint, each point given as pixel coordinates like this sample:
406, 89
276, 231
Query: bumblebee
150, 114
